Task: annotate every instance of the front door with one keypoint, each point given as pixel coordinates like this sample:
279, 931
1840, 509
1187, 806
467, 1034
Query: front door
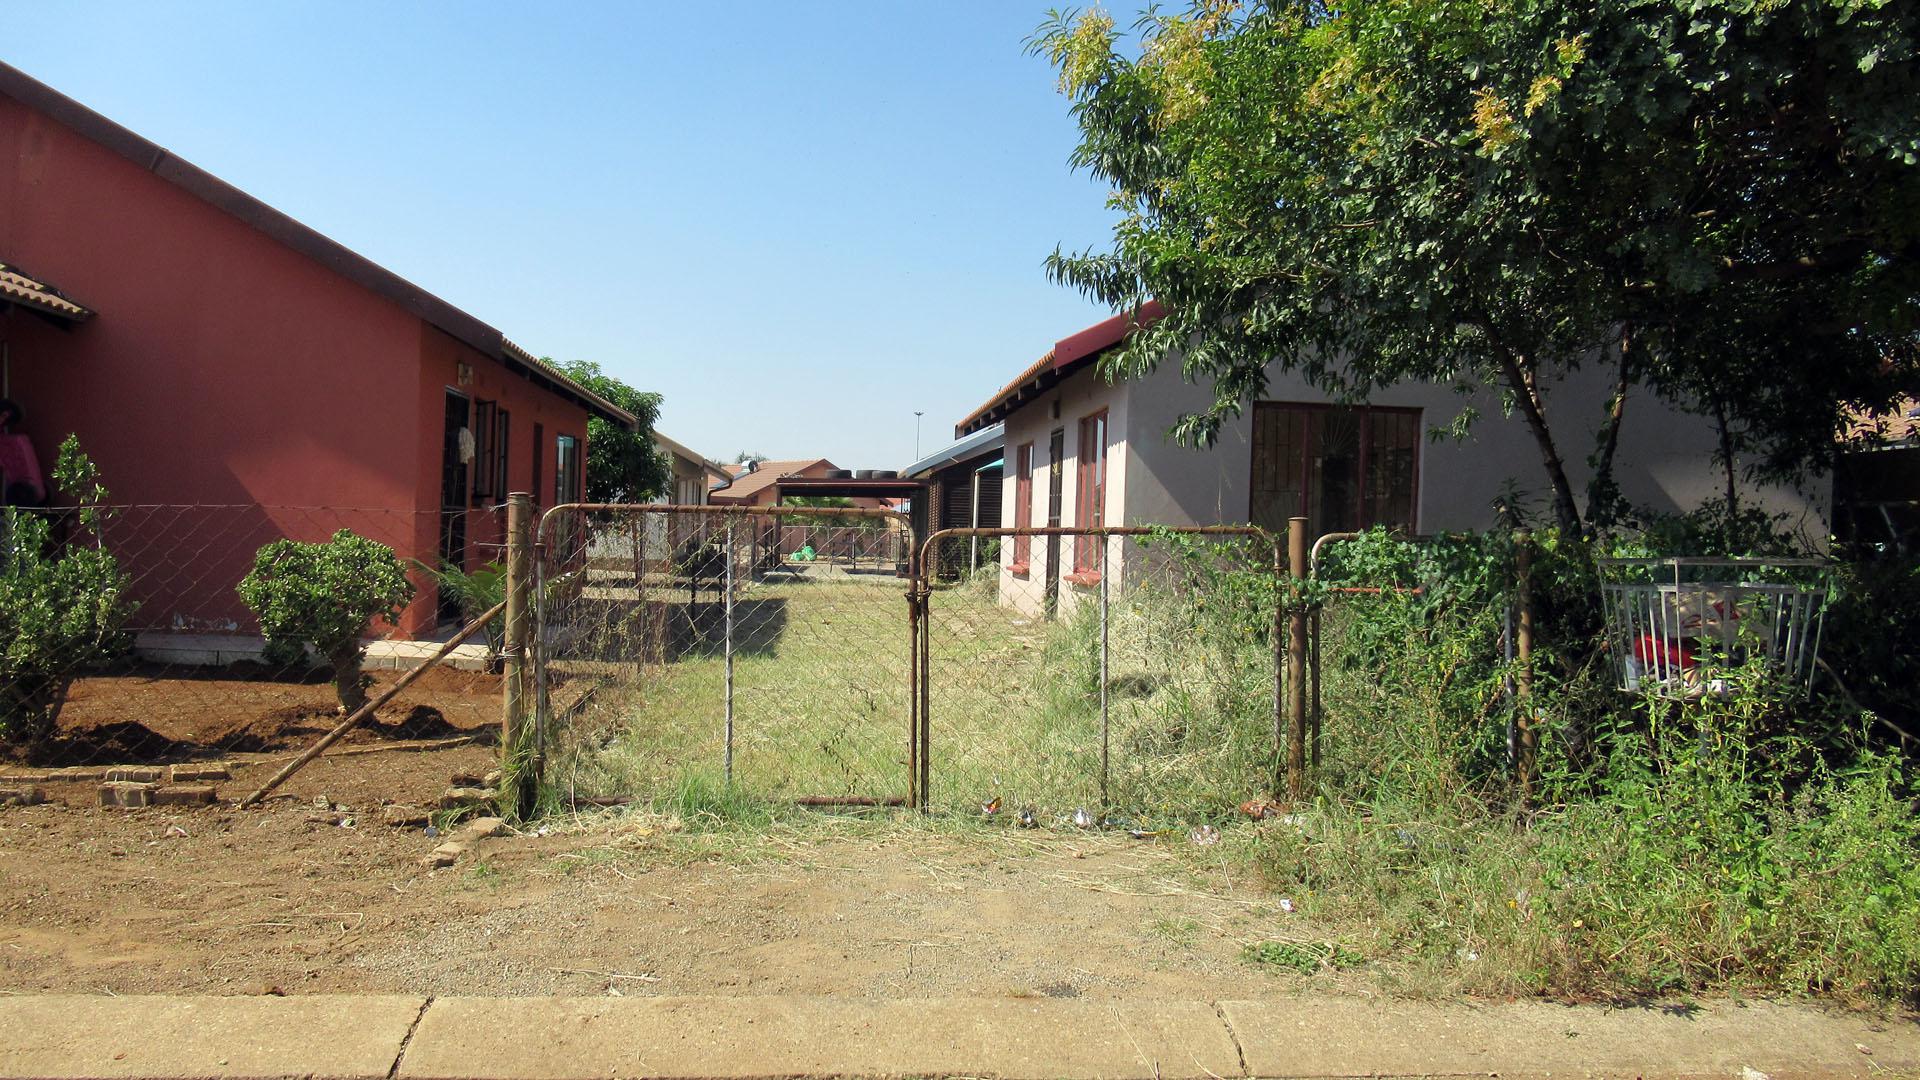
453, 498
1056, 449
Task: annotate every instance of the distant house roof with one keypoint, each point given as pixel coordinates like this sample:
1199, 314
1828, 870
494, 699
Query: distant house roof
329, 253
713, 468
16, 287
985, 441
764, 475
1068, 355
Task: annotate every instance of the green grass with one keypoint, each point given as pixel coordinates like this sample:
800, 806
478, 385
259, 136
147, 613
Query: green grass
820, 704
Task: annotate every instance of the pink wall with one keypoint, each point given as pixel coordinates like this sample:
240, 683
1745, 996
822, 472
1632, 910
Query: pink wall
225, 368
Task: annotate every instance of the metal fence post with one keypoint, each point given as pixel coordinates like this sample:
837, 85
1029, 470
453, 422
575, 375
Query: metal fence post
1314, 710
516, 742
1526, 761
727, 604
1105, 728
1296, 660
916, 679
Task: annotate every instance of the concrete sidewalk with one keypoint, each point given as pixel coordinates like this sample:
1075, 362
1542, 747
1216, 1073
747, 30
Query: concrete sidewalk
373, 1038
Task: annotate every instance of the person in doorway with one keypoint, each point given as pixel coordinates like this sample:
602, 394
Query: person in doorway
21, 482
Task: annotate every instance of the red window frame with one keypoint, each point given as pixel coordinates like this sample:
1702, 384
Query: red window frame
1022, 508
1090, 495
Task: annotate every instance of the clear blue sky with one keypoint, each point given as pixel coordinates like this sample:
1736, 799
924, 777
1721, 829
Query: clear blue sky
798, 222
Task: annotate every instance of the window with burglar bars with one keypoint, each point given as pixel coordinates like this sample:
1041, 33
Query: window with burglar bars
490, 452
1022, 506
1342, 468
1090, 491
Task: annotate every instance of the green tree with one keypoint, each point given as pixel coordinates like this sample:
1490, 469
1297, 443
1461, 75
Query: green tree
623, 466
63, 600
321, 597
1717, 199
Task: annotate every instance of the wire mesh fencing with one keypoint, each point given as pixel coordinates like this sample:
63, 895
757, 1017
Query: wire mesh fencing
125, 637
683, 651
1123, 675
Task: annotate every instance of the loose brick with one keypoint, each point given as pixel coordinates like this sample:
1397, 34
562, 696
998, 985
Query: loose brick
127, 794
137, 774
18, 778
444, 855
198, 774
460, 798
80, 773
21, 795
483, 827
186, 795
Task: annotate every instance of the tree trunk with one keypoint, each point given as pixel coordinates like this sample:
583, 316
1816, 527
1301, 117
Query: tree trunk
1520, 379
1603, 494
1726, 457
349, 682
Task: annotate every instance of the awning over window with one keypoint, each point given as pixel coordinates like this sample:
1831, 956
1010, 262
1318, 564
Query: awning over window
18, 288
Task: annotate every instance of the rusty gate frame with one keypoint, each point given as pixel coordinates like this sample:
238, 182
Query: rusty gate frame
543, 706
1289, 660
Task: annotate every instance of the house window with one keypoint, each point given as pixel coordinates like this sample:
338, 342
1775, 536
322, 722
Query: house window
1341, 468
566, 469
539, 461
501, 430
490, 452
1090, 492
1023, 506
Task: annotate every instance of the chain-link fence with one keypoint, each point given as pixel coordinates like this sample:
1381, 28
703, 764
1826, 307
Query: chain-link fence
125, 637
1128, 673
680, 650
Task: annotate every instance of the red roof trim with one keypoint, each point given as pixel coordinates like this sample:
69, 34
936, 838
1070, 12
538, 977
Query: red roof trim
1102, 336
1067, 354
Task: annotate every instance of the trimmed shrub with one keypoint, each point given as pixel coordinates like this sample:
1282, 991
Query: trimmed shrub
316, 600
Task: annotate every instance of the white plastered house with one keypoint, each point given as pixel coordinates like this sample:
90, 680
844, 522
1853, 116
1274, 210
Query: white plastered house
1082, 451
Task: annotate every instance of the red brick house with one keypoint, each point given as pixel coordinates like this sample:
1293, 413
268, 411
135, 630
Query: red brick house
211, 351
758, 484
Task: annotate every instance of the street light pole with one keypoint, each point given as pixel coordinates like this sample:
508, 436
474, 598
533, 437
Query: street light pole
916, 433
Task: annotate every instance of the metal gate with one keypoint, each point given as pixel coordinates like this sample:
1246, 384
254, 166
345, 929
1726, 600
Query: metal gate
1127, 674
682, 651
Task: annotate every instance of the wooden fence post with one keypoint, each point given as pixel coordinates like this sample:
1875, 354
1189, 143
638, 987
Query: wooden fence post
1296, 661
517, 771
1526, 738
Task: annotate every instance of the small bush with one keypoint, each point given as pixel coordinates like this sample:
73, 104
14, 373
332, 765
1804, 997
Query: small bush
63, 601
317, 599
477, 592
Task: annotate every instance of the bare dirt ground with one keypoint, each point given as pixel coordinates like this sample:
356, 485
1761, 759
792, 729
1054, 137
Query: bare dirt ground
165, 715
275, 899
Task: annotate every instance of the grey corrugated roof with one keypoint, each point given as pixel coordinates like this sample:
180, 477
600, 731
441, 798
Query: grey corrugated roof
980, 442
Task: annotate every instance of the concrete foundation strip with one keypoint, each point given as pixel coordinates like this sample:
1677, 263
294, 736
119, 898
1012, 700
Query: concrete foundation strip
62, 1037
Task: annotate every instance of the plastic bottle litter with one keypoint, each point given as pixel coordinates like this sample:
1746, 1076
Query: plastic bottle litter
1028, 820
1286, 905
1082, 819
1205, 835
990, 807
